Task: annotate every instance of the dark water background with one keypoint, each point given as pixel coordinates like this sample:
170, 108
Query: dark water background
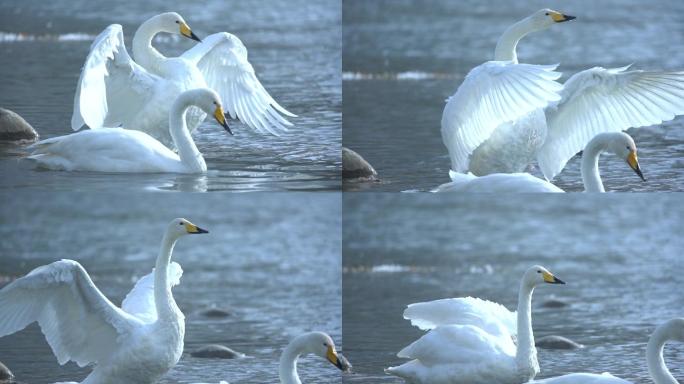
620, 256
272, 260
294, 47
403, 58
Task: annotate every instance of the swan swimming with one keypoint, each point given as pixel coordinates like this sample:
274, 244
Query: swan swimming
618, 143
670, 330
123, 150
473, 340
505, 115
317, 343
114, 90
137, 343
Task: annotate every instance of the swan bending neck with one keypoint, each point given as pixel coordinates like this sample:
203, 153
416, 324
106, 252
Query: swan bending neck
288, 363
143, 52
187, 150
654, 358
508, 42
163, 299
590, 169
526, 355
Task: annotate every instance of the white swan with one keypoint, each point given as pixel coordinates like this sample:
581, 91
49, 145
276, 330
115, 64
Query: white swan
123, 150
500, 119
114, 90
317, 343
473, 340
137, 343
618, 143
670, 330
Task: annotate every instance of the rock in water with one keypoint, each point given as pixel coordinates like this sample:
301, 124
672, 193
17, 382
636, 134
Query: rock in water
14, 128
5, 374
556, 342
356, 167
554, 303
216, 312
217, 351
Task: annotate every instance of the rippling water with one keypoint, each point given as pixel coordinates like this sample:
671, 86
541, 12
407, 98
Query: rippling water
273, 260
293, 45
620, 256
403, 58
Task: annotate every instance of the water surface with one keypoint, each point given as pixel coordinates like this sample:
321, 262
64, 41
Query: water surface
294, 47
271, 260
403, 58
620, 256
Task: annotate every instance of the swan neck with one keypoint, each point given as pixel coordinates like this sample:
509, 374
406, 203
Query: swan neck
590, 169
655, 360
526, 356
508, 42
187, 150
163, 299
288, 363
143, 52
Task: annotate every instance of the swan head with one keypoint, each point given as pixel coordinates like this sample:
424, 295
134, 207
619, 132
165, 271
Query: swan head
537, 275
674, 329
544, 18
322, 345
171, 22
622, 145
210, 102
181, 227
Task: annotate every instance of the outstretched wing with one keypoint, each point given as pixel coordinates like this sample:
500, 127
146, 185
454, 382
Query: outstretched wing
493, 93
78, 321
112, 88
222, 59
140, 300
492, 317
607, 100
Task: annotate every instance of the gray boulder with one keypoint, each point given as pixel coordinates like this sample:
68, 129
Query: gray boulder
216, 351
14, 128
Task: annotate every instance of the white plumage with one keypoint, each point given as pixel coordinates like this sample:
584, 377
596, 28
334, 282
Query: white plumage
114, 90
137, 343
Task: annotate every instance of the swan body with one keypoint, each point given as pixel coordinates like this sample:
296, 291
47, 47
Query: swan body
137, 343
618, 143
473, 340
114, 90
122, 150
590, 102
317, 343
670, 330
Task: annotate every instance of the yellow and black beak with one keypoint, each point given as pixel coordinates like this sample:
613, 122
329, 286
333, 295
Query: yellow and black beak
221, 118
551, 279
559, 17
336, 360
193, 229
634, 164
187, 32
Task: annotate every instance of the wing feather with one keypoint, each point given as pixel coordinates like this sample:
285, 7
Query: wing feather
140, 300
222, 59
112, 88
493, 93
607, 100
78, 321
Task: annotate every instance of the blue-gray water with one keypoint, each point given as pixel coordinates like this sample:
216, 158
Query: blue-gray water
621, 257
403, 58
293, 45
273, 260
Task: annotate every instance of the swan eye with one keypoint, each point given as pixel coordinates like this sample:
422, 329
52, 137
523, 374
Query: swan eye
181, 223
629, 148
538, 271
325, 344
546, 13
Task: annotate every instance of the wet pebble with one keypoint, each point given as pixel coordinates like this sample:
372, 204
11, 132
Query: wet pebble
216, 312
356, 167
554, 303
556, 342
216, 351
14, 128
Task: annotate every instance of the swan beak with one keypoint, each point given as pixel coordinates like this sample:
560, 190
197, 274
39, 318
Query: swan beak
187, 32
559, 17
551, 279
221, 118
336, 360
634, 164
193, 229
